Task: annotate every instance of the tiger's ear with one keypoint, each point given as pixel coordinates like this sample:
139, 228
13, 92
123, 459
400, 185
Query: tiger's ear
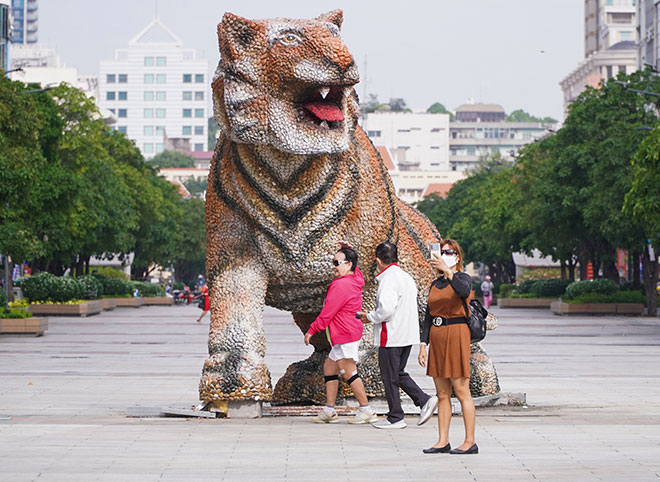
237, 35
335, 16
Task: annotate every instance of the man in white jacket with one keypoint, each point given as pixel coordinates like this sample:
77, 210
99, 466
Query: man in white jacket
396, 329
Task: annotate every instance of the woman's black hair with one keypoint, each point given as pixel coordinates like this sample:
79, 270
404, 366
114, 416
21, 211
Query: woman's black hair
350, 255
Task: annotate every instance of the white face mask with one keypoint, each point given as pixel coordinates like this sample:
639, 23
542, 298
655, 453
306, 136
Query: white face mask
450, 260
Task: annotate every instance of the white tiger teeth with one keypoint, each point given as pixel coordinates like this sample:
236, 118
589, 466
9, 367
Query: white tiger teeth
324, 125
324, 91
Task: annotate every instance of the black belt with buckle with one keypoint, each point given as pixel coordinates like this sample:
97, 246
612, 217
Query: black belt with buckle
442, 321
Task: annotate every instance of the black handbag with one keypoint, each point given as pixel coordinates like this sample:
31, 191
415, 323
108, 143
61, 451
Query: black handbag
476, 320
200, 305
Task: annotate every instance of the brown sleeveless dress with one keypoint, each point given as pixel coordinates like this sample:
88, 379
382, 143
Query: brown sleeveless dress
449, 345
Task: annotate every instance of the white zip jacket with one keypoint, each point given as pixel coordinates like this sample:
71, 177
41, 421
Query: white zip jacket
395, 319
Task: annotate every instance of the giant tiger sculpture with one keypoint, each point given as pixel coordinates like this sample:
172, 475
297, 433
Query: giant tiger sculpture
293, 175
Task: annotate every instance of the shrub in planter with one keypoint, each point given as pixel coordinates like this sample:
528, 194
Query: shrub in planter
618, 297
92, 288
116, 287
148, 289
15, 313
66, 289
526, 286
179, 285
602, 286
38, 287
506, 289
550, 288
109, 272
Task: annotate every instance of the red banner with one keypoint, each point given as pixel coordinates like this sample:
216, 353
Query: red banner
590, 271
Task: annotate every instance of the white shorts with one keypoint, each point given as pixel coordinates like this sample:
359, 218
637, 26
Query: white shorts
345, 350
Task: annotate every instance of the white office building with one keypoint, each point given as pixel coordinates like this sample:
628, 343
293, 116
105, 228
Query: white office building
416, 141
158, 90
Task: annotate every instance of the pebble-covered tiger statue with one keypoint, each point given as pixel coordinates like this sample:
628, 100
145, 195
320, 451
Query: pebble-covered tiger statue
292, 176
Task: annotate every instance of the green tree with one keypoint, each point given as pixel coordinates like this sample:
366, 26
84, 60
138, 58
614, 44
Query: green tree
642, 202
172, 159
520, 115
196, 186
438, 108
191, 250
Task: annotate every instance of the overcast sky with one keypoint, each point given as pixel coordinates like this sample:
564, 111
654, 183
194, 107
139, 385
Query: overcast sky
508, 52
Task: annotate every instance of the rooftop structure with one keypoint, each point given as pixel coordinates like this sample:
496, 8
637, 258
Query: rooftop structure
25, 25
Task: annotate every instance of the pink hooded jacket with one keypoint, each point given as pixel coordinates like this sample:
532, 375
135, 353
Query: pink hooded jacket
343, 300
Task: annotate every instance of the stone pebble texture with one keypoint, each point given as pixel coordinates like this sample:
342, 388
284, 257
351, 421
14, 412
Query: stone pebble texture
293, 175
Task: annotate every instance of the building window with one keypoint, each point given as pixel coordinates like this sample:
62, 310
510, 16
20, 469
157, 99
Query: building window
113, 111
148, 147
148, 113
123, 95
199, 78
626, 36
160, 130
160, 95
199, 130
199, 112
160, 113
122, 129
148, 78
148, 61
109, 96
187, 131
187, 112
123, 78
161, 61
609, 71
110, 78
148, 130
199, 95
373, 133
187, 95
159, 147
622, 69
160, 78
187, 78
148, 95
199, 147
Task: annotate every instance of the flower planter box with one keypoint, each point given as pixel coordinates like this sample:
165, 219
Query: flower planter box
561, 308
83, 309
109, 304
35, 325
128, 302
158, 300
526, 302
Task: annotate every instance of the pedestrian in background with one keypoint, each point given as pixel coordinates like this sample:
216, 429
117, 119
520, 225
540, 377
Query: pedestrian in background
204, 302
396, 329
487, 288
446, 332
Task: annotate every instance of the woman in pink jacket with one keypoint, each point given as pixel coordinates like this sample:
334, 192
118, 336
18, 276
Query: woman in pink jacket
344, 331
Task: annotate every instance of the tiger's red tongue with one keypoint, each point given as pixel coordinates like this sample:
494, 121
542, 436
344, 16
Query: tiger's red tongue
325, 111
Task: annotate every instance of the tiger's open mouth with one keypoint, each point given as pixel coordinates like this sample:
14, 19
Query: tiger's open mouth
324, 106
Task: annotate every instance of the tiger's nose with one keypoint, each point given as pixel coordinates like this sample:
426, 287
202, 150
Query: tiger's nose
339, 55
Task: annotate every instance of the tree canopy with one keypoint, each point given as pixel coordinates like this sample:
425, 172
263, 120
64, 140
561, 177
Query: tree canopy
520, 115
171, 158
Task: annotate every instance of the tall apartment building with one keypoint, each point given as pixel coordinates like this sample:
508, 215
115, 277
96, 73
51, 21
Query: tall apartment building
480, 130
4, 35
25, 25
648, 16
610, 35
158, 90
416, 141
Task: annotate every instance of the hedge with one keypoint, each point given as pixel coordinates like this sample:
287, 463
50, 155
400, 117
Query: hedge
115, 287
602, 286
48, 287
92, 288
617, 297
550, 288
148, 289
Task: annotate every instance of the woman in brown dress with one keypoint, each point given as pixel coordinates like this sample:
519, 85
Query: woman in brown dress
446, 332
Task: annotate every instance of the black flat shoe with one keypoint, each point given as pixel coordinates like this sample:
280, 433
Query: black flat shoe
437, 450
472, 450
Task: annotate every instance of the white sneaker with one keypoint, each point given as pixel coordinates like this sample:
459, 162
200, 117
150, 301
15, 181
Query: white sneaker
387, 424
427, 410
364, 417
325, 417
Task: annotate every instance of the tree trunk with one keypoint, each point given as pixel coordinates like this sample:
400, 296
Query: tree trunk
562, 266
636, 274
650, 273
610, 272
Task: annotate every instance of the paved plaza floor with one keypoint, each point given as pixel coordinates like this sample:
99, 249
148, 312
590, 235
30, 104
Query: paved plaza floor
592, 385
